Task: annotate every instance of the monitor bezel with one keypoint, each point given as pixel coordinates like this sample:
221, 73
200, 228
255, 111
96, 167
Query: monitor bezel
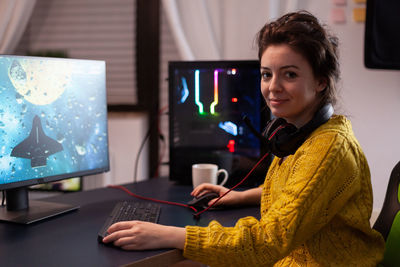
54, 178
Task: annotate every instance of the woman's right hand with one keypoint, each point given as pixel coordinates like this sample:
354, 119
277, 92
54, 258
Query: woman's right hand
233, 198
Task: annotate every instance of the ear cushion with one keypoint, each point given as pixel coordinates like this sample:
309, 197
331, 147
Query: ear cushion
272, 126
280, 136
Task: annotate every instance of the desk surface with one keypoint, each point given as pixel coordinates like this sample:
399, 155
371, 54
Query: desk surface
71, 239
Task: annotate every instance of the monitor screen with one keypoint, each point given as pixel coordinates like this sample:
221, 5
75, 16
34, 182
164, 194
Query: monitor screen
207, 103
53, 120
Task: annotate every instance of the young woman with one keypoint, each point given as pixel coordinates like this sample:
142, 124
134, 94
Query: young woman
316, 201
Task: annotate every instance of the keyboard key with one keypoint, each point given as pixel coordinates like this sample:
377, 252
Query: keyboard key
129, 211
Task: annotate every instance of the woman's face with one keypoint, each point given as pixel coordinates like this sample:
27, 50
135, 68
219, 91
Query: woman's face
288, 84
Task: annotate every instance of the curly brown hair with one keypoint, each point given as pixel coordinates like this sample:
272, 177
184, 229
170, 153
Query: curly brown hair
306, 35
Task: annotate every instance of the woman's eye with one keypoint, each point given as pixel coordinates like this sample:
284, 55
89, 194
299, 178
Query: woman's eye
265, 75
291, 74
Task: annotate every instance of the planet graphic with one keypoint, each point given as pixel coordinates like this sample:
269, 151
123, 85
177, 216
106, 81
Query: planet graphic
40, 89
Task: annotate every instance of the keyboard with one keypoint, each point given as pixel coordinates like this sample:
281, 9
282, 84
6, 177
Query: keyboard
128, 211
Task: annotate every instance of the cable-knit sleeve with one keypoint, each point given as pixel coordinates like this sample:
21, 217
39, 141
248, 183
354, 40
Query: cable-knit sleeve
317, 181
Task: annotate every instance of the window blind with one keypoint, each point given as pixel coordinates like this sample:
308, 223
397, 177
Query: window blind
89, 29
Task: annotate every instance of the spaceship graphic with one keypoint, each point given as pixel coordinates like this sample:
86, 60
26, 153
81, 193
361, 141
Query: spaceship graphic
37, 146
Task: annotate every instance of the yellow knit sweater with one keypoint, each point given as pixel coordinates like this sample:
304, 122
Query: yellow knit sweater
315, 210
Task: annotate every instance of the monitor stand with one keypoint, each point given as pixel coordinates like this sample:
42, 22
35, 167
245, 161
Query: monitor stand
20, 210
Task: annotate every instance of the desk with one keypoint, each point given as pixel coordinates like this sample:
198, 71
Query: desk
71, 239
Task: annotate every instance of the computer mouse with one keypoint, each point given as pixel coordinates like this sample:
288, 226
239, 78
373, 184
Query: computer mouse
201, 202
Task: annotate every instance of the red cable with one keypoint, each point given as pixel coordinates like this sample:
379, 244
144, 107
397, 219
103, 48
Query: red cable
151, 199
197, 214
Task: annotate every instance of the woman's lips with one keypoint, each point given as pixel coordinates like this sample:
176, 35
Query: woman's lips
276, 102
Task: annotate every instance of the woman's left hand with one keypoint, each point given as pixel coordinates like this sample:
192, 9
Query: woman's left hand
138, 235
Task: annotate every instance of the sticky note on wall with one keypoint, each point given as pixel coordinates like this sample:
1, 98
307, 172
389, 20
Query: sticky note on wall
339, 2
359, 14
338, 15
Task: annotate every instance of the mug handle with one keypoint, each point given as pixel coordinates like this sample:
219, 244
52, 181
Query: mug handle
225, 176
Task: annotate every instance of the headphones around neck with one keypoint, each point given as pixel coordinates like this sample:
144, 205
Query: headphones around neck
283, 139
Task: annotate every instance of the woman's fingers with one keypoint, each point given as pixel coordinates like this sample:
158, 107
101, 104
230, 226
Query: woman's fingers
206, 188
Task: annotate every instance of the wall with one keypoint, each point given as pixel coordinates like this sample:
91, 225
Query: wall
168, 52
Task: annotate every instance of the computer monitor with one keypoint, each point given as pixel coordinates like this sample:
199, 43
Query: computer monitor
381, 39
53, 126
207, 103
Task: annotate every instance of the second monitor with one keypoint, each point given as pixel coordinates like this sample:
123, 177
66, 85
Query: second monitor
53, 126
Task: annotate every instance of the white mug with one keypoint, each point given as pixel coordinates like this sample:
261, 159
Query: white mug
207, 173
